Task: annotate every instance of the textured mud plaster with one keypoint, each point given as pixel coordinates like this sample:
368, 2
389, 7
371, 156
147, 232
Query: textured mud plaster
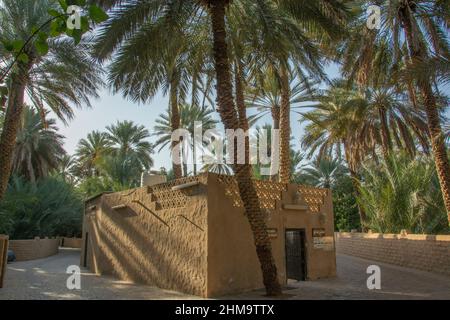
197, 240
165, 248
233, 265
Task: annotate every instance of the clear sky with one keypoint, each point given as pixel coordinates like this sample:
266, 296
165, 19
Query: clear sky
109, 109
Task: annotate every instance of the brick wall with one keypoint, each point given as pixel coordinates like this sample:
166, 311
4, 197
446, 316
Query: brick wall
34, 249
423, 252
71, 242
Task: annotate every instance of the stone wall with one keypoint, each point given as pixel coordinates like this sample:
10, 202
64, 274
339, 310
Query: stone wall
71, 242
34, 249
423, 252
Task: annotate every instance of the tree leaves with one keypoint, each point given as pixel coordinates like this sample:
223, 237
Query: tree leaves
96, 14
55, 26
41, 43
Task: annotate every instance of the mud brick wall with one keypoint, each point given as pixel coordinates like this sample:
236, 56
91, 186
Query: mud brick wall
34, 249
423, 252
71, 242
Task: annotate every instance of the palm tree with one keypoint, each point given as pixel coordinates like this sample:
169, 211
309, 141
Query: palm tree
120, 172
403, 193
129, 140
412, 33
189, 114
215, 161
145, 60
171, 17
330, 127
267, 99
281, 36
90, 152
39, 148
67, 169
323, 172
390, 118
62, 78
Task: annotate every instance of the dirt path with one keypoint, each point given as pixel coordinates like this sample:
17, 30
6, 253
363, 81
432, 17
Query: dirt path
46, 279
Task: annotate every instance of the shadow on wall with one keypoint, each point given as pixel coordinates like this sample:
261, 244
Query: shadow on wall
126, 244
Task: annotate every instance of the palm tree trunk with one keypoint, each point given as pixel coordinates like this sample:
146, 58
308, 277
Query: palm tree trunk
386, 144
242, 172
19, 80
194, 159
240, 102
275, 111
285, 127
175, 123
417, 54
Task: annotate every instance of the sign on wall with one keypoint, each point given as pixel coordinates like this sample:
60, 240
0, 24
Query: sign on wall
273, 232
320, 240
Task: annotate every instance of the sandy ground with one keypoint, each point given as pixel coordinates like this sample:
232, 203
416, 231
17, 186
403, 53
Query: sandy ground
46, 279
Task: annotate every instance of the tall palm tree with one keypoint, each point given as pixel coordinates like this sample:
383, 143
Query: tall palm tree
413, 33
39, 148
330, 127
170, 17
390, 118
323, 172
282, 38
267, 98
64, 77
67, 169
189, 114
130, 140
90, 152
173, 64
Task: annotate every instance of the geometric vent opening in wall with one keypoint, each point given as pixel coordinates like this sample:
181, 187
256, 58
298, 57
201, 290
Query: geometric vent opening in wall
268, 192
314, 197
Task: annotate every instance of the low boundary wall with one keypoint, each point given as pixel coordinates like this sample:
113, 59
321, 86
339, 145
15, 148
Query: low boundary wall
34, 249
71, 242
423, 252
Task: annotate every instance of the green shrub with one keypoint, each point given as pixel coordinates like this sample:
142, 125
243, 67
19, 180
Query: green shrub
51, 207
403, 193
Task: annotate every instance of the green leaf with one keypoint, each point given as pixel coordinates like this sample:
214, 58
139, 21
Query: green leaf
84, 24
17, 45
79, 3
41, 47
53, 13
76, 35
8, 45
97, 15
43, 36
23, 57
63, 4
54, 28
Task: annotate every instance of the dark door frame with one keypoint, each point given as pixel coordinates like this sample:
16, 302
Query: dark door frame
86, 249
304, 255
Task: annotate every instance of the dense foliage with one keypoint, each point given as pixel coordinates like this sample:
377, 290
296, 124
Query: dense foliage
51, 207
403, 193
